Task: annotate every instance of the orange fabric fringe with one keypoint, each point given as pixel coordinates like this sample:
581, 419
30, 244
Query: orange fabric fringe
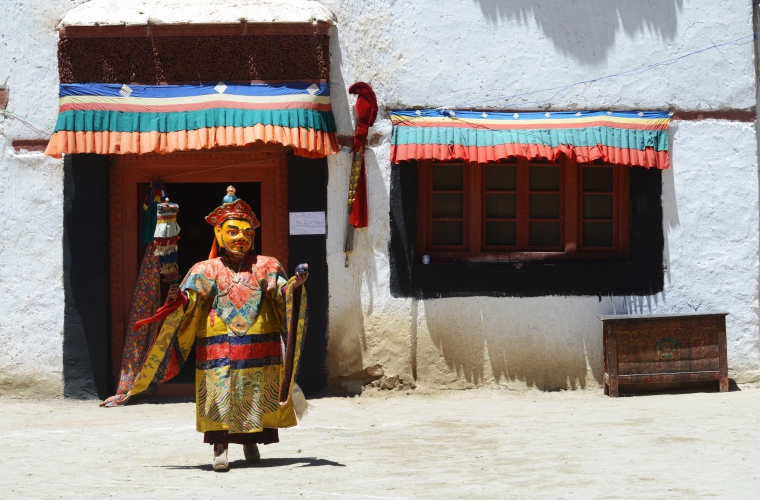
648, 158
308, 143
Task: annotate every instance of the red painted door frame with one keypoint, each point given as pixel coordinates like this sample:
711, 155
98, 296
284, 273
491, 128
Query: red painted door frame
265, 165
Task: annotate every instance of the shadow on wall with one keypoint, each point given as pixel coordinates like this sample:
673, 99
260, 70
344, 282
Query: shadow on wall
549, 343
353, 314
87, 371
671, 221
586, 30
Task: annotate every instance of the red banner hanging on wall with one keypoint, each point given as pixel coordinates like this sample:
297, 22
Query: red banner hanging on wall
366, 113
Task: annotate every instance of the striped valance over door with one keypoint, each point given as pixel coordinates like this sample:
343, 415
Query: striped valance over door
622, 138
128, 119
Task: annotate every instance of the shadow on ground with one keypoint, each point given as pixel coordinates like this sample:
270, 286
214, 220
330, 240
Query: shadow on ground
264, 464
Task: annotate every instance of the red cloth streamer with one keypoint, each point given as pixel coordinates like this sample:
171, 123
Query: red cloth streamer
366, 113
359, 213
163, 311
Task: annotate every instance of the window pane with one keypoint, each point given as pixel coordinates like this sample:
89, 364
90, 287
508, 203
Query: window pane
447, 205
501, 177
544, 234
447, 177
597, 206
500, 233
501, 205
544, 178
597, 234
544, 206
597, 178
447, 233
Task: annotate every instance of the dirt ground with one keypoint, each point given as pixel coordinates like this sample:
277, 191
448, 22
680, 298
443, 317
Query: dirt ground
382, 445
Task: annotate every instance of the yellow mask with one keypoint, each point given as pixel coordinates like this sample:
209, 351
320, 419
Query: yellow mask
235, 236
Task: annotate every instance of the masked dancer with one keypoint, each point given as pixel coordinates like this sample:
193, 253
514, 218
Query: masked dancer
248, 322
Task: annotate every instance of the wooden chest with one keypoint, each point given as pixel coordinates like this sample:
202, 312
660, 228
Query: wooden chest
662, 348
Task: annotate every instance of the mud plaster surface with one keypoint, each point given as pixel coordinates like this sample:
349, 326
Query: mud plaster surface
449, 444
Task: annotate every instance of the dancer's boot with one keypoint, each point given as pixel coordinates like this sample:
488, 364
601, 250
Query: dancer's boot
252, 454
220, 458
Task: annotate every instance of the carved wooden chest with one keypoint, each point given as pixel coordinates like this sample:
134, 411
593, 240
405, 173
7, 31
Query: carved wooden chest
662, 348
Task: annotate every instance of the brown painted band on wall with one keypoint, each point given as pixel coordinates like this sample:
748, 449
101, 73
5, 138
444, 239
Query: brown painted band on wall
735, 116
30, 145
208, 58
149, 30
346, 141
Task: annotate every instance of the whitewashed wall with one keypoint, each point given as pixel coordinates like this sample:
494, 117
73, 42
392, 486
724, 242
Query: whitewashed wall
31, 203
429, 53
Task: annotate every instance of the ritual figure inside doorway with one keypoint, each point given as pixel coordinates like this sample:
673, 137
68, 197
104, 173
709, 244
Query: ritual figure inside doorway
248, 322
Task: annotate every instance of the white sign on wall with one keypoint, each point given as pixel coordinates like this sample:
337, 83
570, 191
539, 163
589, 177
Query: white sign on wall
307, 223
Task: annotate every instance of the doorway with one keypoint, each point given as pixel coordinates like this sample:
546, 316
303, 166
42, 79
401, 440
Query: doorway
197, 183
95, 254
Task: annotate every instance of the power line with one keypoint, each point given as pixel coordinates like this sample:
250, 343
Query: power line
631, 72
39, 127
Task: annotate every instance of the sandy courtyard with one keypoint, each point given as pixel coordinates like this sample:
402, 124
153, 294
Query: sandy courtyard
463, 444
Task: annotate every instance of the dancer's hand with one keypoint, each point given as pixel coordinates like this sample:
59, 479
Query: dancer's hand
302, 274
300, 280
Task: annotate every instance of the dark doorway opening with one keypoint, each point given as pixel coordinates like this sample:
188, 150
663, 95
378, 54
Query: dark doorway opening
86, 323
196, 200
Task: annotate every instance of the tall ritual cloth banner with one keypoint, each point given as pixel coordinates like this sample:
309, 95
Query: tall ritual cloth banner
366, 113
128, 119
635, 138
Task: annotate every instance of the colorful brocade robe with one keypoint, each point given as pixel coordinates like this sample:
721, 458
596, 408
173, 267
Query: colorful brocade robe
238, 322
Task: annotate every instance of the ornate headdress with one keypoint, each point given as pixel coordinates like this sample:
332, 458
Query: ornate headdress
237, 209
232, 208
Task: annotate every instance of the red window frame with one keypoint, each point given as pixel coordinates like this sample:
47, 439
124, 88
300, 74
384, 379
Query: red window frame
465, 219
571, 219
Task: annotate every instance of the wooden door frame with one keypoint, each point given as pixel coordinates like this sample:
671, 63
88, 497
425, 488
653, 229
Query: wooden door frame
267, 165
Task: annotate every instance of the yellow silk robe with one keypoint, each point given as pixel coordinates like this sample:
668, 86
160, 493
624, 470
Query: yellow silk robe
237, 320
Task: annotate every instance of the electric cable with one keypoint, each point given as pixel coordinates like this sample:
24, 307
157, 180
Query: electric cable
630, 72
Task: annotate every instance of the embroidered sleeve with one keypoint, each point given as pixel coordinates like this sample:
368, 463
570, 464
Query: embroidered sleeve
201, 279
172, 345
276, 281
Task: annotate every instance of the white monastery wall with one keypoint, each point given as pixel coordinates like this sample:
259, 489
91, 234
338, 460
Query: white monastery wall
31, 203
710, 221
433, 54
710, 212
428, 53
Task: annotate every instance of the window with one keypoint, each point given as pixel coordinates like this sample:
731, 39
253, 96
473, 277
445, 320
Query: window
522, 210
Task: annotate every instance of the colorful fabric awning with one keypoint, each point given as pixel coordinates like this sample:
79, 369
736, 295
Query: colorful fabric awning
623, 138
125, 119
